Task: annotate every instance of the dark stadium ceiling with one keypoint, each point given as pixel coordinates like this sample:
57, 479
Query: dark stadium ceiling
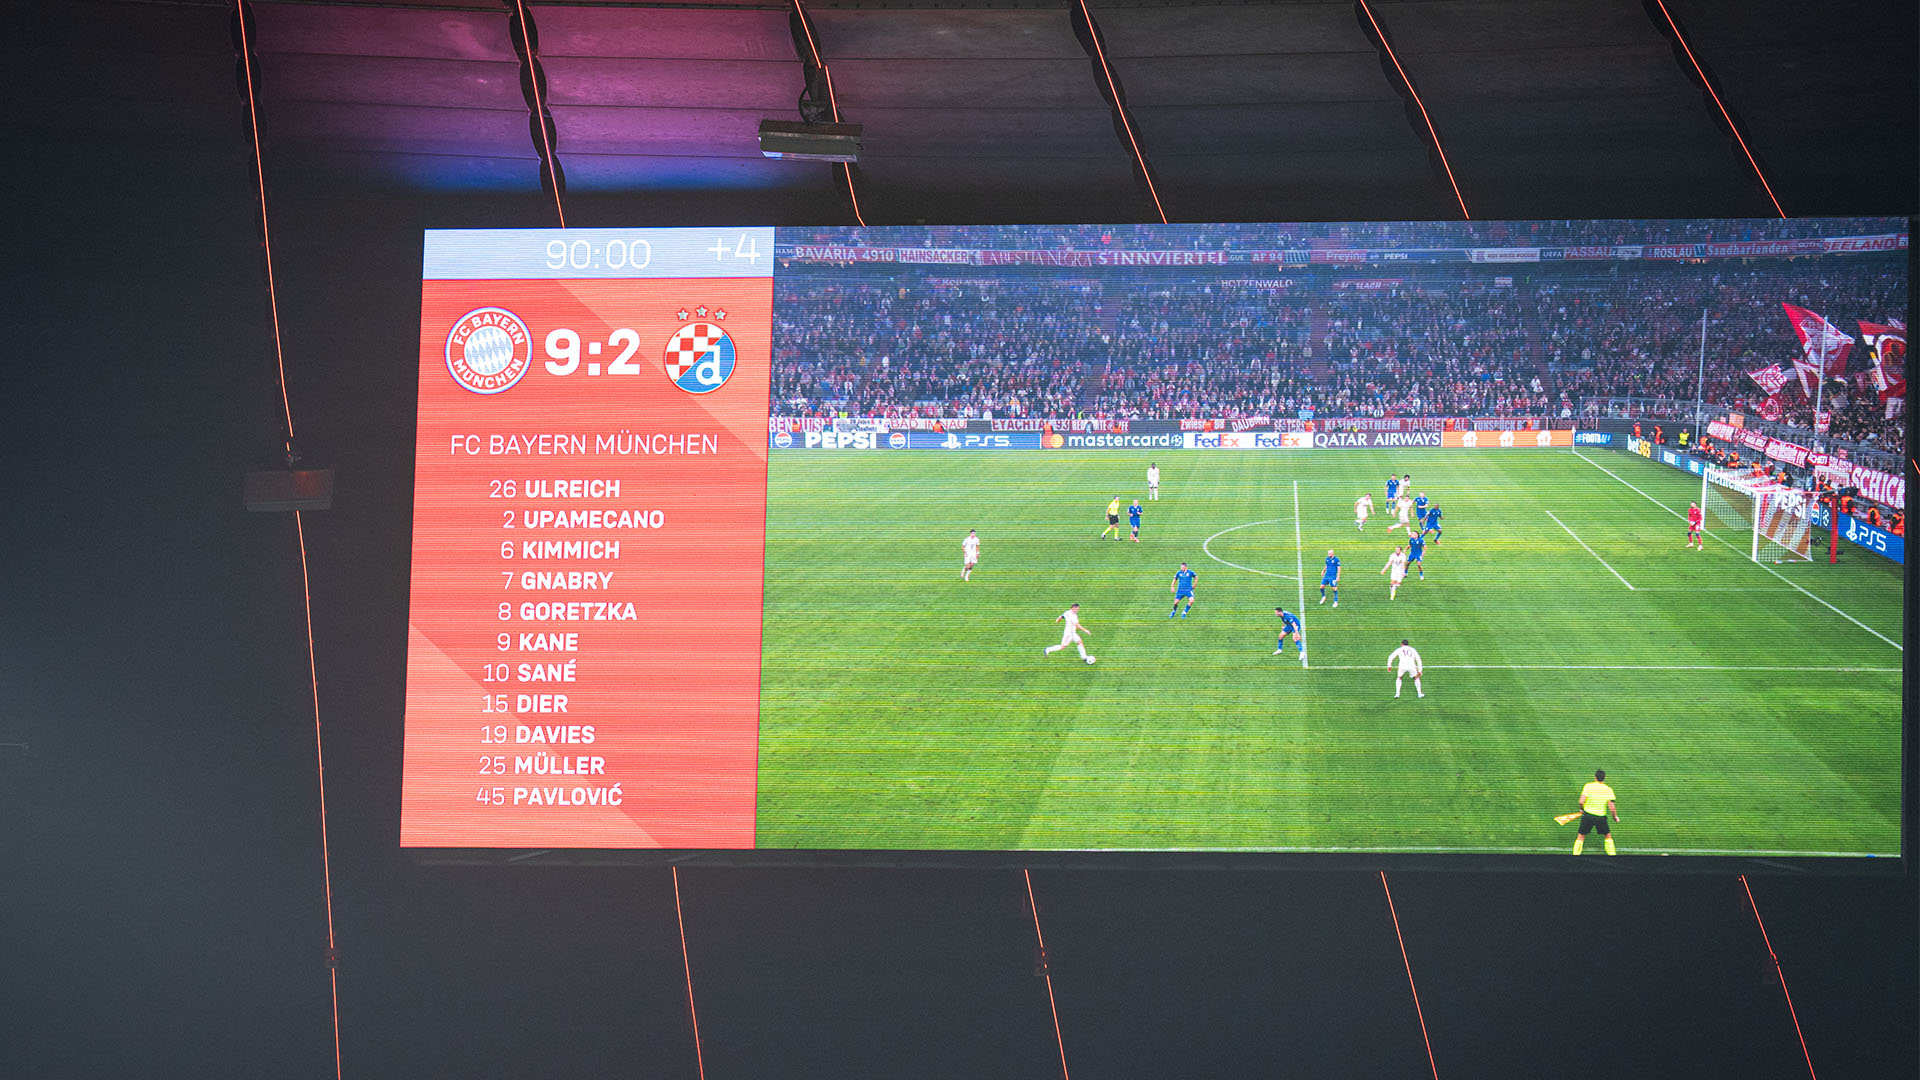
995, 112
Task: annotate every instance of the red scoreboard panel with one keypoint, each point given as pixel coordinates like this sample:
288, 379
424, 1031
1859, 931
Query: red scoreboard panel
583, 642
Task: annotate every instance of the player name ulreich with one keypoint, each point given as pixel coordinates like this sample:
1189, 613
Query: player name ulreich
569, 489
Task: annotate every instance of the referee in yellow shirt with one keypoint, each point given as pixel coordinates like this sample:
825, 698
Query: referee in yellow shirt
1113, 519
1596, 802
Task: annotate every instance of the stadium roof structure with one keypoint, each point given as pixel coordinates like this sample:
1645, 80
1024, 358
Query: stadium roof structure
988, 110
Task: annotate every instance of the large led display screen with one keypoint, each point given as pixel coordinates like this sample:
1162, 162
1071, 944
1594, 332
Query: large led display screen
1267, 538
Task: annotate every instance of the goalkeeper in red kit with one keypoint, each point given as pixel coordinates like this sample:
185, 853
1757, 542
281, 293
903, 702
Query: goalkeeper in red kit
1695, 538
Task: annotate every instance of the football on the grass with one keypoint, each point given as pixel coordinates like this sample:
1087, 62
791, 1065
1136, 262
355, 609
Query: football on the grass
1089, 659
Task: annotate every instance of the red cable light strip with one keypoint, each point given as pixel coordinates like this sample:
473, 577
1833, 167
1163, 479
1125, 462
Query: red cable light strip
1409, 966
1041, 938
699, 1058
1724, 114
1422, 106
1121, 111
260, 177
540, 111
300, 532
833, 103
1777, 971
320, 760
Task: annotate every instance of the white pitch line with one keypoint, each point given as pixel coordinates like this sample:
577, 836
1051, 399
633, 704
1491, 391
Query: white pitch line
1300, 574
1620, 667
1590, 551
1737, 547
1208, 551
1555, 850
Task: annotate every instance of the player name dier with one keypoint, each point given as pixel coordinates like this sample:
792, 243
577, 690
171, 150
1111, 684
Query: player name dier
569, 549
570, 489
593, 519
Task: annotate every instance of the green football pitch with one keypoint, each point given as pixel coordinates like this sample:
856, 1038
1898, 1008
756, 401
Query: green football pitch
1737, 708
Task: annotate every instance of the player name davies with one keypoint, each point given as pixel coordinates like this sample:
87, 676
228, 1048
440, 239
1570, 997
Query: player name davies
592, 519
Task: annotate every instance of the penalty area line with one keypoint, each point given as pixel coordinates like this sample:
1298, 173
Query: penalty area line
1796, 585
1590, 551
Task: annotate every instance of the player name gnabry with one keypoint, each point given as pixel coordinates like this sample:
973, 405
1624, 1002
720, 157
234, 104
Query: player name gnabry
570, 489
569, 549
536, 580
592, 519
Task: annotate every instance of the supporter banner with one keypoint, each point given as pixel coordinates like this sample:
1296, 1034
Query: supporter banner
1506, 439
1791, 453
1335, 256
1880, 487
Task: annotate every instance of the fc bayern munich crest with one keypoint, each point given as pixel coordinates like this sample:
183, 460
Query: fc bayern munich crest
488, 350
700, 357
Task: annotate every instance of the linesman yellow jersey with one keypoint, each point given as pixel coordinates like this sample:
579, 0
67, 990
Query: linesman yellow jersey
1113, 508
1595, 797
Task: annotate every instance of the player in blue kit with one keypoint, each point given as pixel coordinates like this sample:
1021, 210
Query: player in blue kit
1182, 589
1416, 547
1432, 524
1330, 578
1393, 487
1420, 510
1133, 518
1290, 628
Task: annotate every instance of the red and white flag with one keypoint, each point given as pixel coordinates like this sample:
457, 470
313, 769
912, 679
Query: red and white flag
1887, 345
1822, 420
1771, 378
1820, 340
1769, 409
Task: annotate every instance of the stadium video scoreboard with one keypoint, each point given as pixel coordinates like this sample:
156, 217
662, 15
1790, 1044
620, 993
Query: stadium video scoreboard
657, 603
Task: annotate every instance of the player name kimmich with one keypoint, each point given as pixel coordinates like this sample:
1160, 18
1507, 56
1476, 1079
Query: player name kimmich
569, 549
593, 519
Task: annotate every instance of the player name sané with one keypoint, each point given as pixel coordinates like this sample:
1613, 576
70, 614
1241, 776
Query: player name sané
569, 489
592, 519
577, 611
535, 580
557, 671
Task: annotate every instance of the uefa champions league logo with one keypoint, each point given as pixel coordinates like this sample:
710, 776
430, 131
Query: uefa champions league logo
700, 355
488, 350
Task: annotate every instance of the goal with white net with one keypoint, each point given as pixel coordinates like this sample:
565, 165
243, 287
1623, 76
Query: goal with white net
1777, 519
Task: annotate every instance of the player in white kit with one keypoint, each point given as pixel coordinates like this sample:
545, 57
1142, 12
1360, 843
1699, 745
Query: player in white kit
1404, 507
1396, 571
969, 554
1405, 661
1153, 482
1070, 634
1362, 508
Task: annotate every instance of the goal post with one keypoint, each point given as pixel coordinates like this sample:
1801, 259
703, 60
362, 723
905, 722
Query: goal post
1776, 518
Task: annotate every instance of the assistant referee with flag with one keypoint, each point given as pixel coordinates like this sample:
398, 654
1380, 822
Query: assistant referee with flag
1596, 802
